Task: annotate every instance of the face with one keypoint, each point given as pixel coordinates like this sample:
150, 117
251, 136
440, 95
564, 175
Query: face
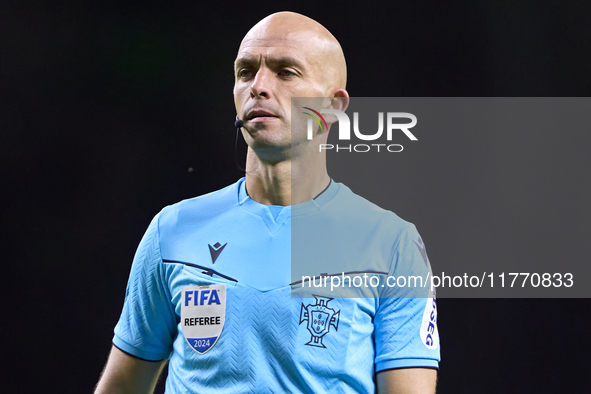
273, 66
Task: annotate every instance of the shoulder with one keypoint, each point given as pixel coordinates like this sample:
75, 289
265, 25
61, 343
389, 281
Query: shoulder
181, 225
369, 215
201, 208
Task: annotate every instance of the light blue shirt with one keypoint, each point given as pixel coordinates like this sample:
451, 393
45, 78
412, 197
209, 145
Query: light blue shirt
276, 334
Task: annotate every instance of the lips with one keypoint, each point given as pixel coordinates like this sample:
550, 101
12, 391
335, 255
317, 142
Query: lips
259, 114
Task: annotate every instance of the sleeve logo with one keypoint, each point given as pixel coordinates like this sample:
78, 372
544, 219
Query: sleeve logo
429, 333
203, 314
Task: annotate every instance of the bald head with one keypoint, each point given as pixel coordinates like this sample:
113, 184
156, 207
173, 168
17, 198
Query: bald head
307, 36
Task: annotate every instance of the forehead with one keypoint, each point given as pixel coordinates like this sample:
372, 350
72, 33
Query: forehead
302, 47
276, 54
273, 35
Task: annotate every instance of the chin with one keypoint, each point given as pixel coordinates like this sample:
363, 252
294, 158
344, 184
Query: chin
270, 149
267, 136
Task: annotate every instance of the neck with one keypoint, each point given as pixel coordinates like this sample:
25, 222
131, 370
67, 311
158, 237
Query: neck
286, 182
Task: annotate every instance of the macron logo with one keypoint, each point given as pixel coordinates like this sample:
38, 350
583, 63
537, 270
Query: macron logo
216, 250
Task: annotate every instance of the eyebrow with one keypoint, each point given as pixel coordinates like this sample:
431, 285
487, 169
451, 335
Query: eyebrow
280, 61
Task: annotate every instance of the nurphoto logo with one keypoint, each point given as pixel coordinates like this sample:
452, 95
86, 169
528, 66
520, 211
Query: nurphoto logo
345, 130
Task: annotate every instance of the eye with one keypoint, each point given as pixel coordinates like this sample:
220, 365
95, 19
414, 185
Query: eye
244, 73
286, 73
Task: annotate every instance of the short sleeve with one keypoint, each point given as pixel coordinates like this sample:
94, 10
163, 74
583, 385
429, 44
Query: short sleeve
147, 326
406, 334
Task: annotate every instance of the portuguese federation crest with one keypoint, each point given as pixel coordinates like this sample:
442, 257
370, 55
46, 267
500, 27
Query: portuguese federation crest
319, 317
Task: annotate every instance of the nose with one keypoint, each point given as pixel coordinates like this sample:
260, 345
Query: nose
261, 84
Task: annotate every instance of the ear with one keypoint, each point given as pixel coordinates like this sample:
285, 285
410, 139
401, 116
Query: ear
339, 101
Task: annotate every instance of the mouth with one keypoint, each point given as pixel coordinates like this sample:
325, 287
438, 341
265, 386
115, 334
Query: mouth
260, 115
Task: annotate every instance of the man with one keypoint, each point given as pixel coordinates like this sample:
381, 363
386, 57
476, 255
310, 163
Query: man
210, 287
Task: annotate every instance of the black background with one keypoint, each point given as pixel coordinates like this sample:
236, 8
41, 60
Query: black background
105, 107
